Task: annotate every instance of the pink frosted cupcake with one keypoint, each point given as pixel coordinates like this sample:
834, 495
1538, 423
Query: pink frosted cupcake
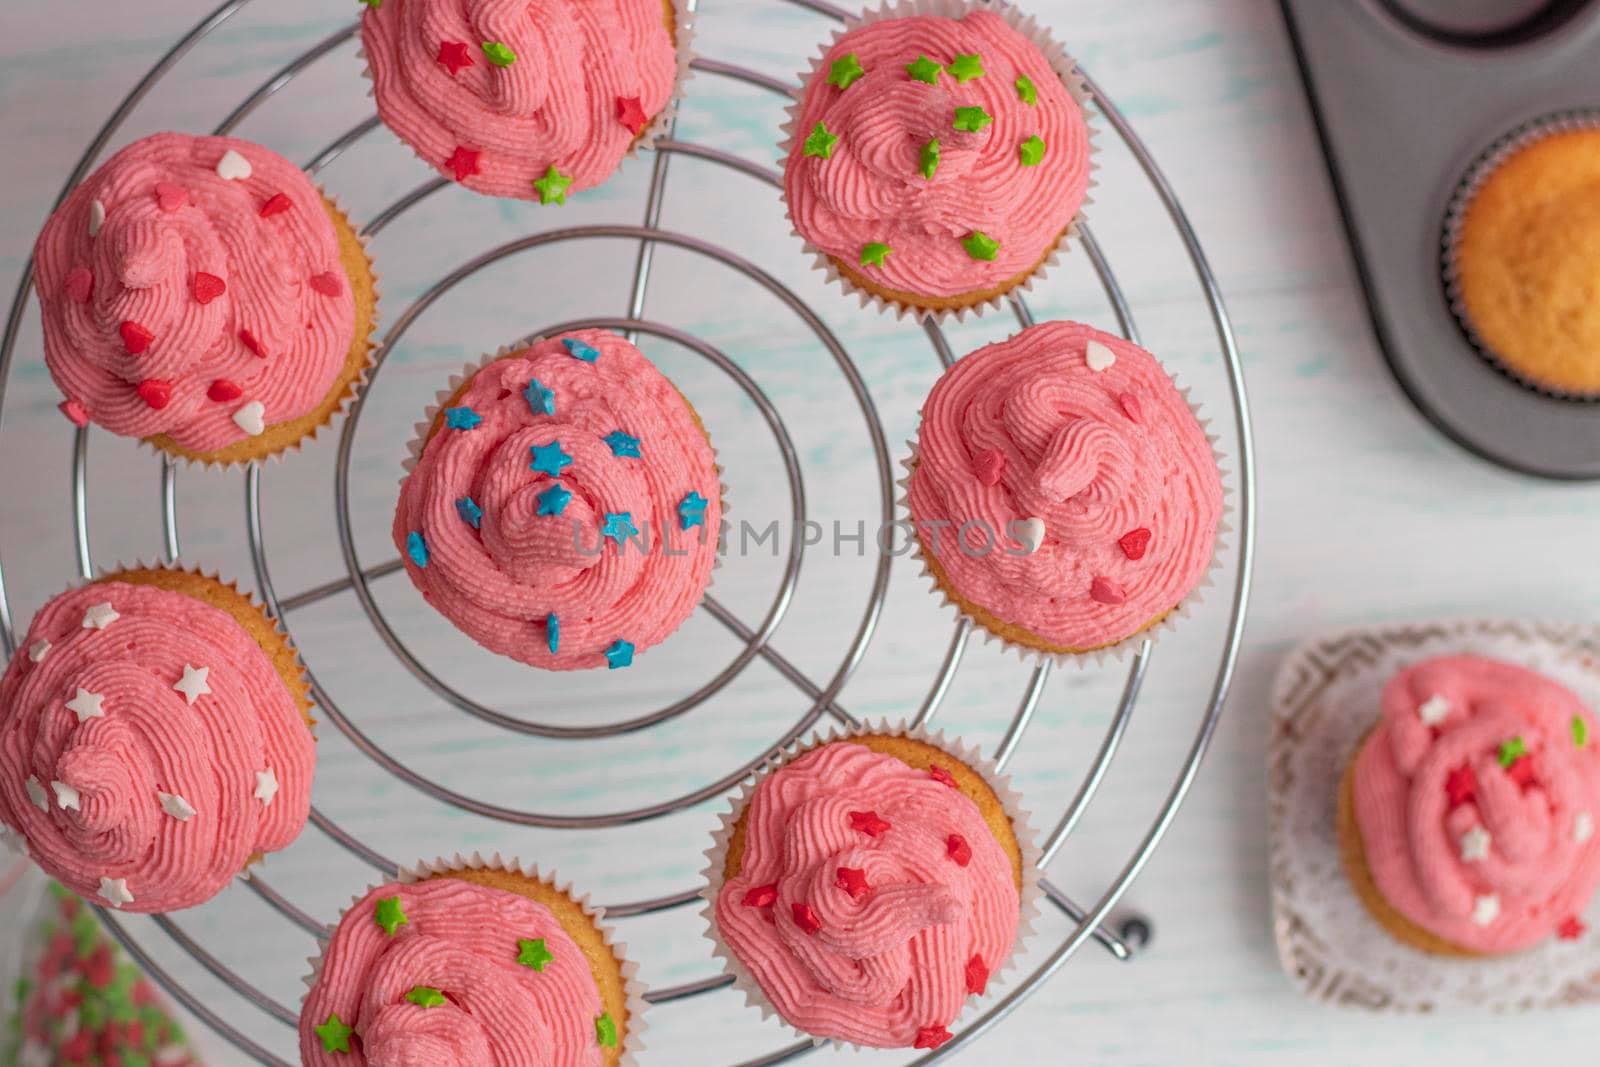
1466, 818
1064, 496
533, 100
563, 504
938, 154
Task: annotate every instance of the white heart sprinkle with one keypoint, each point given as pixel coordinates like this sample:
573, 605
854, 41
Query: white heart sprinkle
66, 796
1098, 356
1031, 533
97, 217
251, 418
233, 167
39, 650
1434, 710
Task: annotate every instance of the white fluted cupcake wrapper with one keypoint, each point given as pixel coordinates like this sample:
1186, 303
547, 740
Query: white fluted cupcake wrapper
1060, 62
1455, 219
970, 755
631, 1034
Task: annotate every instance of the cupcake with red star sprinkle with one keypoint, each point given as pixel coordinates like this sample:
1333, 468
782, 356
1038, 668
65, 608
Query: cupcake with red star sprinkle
1466, 817
201, 294
938, 155
524, 99
866, 888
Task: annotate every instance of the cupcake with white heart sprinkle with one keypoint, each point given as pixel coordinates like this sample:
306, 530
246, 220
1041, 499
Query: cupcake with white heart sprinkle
1063, 493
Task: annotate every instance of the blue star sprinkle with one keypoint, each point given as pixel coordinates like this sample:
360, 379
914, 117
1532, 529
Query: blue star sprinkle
549, 459
552, 629
470, 512
461, 418
692, 511
541, 401
622, 444
417, 548
620, 654
553, 501
619, 526
579, 350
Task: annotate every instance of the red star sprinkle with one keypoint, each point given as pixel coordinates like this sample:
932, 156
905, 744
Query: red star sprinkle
463, 163
223, 390
98, 968
135, 338
1571, 928
75, 413
806, 919
75, 1047
1106, 591
988, 465
942, 776
170, 197
867, 822
1130, 406
931, 1037
762, 896
277, 204
853, 880
455, 55
79, 284
630, 112
1461, 785
1523, 772
959, 850
977, 976
1134, 543
248, 339
155, 392
327, 283
207, 287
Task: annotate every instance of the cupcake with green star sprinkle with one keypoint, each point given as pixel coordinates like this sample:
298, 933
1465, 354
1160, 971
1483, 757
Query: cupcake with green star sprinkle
938, 155
472, 962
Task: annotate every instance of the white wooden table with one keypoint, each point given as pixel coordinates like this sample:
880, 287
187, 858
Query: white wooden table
1365, 513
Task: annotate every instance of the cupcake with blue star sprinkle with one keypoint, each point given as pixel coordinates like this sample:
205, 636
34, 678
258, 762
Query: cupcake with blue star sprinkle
562, 504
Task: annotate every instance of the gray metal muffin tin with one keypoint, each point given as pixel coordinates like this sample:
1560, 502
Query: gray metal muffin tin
1406, 95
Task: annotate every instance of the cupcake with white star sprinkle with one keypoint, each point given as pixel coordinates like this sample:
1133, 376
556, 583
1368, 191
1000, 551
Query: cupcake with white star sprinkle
562, 504
154, 739
1466, 817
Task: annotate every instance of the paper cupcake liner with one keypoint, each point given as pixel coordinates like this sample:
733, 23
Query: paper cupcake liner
1325, 699
1063, 64
1455, 219
971, 755
660, 126
422, 870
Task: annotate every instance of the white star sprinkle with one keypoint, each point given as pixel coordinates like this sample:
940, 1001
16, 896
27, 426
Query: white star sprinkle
266, 785
87, 705
97, 217
193, 683
99, 616
1486, 910
39, 650
176, 806
1582, 827
1475, 844
1098, 356
1434, 710
115, 891
66, 796
36, 793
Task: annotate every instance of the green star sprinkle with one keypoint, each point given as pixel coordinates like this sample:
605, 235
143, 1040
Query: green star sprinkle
821, 142
980, 245
964, 68
924, 70
390, 915
1512, 750
930, 158
844, 72
425, 996
605, 1030
971, 119
1031, 151
335, 1034
1580, 731
1026, 90
874, 253
533, 953
552, 188
498, 54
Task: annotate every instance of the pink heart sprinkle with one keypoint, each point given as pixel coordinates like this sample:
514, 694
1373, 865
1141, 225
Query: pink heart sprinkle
327, 283
988, 465
1106, 591
1130, 406
171, 197
80, 284
75, 412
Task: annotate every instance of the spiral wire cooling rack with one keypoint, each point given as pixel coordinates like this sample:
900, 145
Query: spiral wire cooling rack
1090, 922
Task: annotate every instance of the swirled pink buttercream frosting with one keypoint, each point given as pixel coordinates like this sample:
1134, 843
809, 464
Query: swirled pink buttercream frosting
987, 141
1476, 797
1063, 485
463, 945
192, 287
148, 747
871, 900
566, 508
497, 94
